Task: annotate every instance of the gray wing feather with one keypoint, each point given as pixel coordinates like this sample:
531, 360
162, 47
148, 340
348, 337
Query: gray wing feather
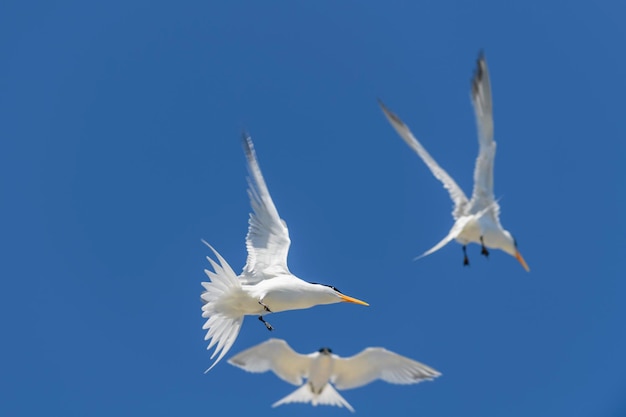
378, 363
482, 194
274, 355
457, 195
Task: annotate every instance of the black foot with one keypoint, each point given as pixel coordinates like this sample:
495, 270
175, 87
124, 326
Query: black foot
267, 325
484, 250
465, 258
265, 307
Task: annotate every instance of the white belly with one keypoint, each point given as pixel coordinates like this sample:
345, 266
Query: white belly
471, 233
320, 372
281, 294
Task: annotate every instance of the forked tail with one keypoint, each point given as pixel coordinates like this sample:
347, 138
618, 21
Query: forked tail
224, 322
304, 394
458, 227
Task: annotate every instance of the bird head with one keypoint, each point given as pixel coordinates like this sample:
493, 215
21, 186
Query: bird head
333, 295
509, 245
325, 351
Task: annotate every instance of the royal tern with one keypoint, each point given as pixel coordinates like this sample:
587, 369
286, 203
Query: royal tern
265, 285
323, 368
476, 220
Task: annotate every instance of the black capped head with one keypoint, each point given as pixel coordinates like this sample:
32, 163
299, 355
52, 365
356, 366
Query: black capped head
329, 286
325, 351
334, 294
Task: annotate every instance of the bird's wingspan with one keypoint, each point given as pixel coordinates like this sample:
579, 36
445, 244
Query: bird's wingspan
267, 240
458, 196
379, 363
274, 355
482, 195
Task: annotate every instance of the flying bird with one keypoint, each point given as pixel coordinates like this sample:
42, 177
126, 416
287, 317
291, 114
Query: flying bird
476, 220
265, 285
323, 369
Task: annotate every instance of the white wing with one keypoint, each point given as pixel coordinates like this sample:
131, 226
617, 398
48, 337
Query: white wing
379, 363
457, 195
274, 355
482, 195
267, 240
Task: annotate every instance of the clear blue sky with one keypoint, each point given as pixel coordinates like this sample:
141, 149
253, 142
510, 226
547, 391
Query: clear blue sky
120, 149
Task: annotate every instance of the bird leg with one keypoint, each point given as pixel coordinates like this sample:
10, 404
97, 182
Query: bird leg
265, 307
267, 325
465, 259
484, 250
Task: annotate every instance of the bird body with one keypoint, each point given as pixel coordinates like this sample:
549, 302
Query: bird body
265, 285
323, 369
477, 220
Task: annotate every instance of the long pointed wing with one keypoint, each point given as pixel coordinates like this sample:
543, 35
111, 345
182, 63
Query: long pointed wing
482, 195
274, 355
267, 240
457, 195
379, 363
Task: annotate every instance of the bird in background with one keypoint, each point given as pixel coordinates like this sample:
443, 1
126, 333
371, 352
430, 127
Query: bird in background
266, 285
476, 220
323, 369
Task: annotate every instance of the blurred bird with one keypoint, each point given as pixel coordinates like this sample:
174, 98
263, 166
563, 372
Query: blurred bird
265, 285
476, 220
322, 368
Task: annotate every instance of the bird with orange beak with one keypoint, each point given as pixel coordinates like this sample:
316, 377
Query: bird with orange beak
477, 220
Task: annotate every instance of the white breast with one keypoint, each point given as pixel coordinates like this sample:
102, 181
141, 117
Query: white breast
320, 372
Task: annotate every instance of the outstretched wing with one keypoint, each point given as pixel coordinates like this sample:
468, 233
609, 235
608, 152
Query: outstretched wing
274, 355
482, 195
267, 240
457, 195
379, 363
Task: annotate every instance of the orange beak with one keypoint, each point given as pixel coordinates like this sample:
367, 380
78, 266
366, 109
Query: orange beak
521, 260
352, 300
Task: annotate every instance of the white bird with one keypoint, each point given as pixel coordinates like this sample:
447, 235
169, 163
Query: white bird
476, 220
265, 285
323, 368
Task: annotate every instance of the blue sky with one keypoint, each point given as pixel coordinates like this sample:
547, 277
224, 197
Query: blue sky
120, 125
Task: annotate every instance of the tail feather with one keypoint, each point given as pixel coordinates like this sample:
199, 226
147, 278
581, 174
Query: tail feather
304, 394
222, 324
458, 228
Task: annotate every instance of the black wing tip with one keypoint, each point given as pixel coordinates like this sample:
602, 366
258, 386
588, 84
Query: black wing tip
384, 108
248, 146
479, 72
391, 115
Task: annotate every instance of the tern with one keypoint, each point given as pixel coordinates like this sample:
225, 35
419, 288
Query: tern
265, 285
323, 368
476, 220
